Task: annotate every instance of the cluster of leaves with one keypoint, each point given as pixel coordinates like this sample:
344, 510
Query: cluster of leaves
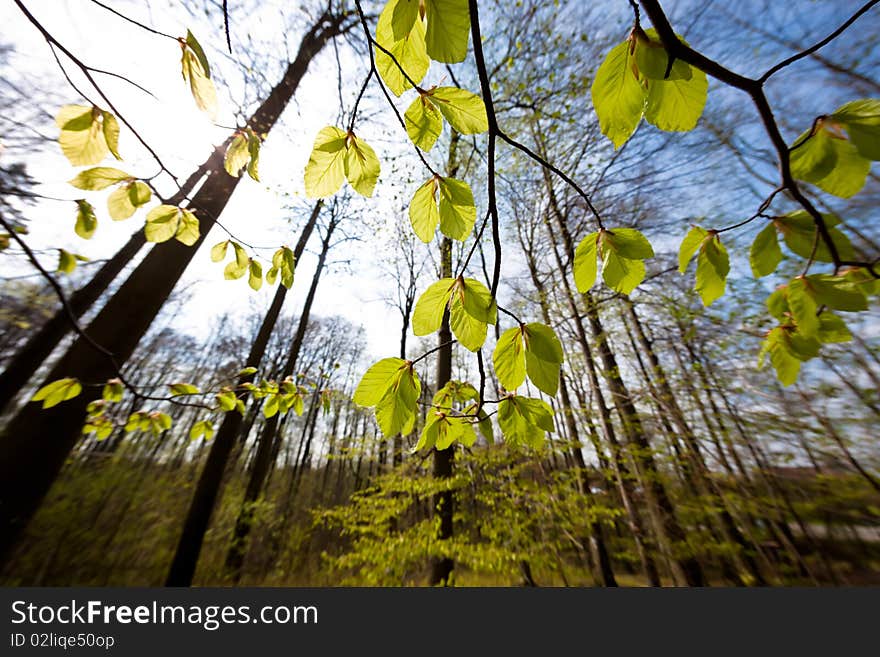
638, 79
622, 252
835, 154
283, 265
243, 151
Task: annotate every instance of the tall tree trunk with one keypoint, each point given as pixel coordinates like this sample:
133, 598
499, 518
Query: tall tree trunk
262, 459
441, 569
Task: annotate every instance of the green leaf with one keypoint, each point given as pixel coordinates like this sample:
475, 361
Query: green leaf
376, 381
86, 221
126, 199
58, 391
402, 33
524, 421
66, 261
396, 410
188, 228
361, 166
689, 246
676, 105
832, 328
861, 120
628, 243
469, 331
254, 143
202, 428
777, 303
237, 155
197, 74
112, 391
424, 123
850, 171
652, 59
799, 232
542, 342
424, 212
622, 274
255, 275
803, 308
428, 311
464, 110
618, 96
458, 212
226, 400
218, 251
82, 137
713, 266
178, 389
836, 292
161, 224
110, 128
786, 364
476, 300
448, 30
454, 210
509, 359
585, 267
284, 261
325, 172
829, 161
98, 178
765, 254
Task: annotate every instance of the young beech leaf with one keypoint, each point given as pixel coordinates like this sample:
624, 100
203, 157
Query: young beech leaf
255, 275
428, 311
448, 29
778, 346
396, 409
66, 261
458, 213
424, 122
798, 230
836, 292
202, 428
622, 252
325, 171
110, 128
713, 266
237, 155
82, 137
283, 262
676, 104
802, 307
86, 221
764, 254
126, 199
652, 59
446, 201
218, 251
254, 143
618, 96
543, 357
464, 110
197, 74
178, 389
361, 166
166, 221
825, 157
524, 421
337, 155
402, 33
58, 391
98, 178
713, 263
509, 359
585, 267
376, 380
861, 120
112, 391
